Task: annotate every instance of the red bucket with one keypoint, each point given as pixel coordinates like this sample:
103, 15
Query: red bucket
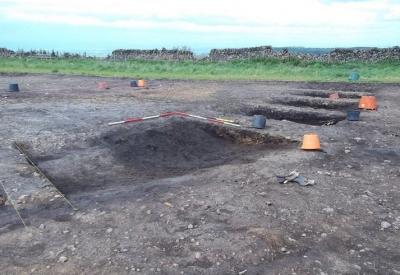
103, 85
334, 96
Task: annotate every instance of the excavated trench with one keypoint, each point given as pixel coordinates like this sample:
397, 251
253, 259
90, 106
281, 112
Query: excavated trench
137, 153
296, 115
318, 103
325, 94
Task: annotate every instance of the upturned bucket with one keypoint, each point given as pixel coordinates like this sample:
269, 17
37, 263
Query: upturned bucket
134, 83
311, 142
334, 96
354, 76
103, 85
259, 121
13, 87
353, 115
141, 83
368, 102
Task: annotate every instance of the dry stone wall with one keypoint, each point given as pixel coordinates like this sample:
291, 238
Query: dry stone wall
337, 55
374, 54
155, 54
6, 53
240, 53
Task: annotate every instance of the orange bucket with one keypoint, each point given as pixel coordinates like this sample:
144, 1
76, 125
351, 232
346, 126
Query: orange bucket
311, 142
141, 83
334, 96
367, 102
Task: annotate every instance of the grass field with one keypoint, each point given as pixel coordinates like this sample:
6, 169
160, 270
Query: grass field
258, 69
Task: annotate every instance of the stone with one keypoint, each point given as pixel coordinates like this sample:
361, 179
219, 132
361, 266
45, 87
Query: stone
109, 230
369, 193
190, 226
62, 259
22, 199
328, 210
385, 225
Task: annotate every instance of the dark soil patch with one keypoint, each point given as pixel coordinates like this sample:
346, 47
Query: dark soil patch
325, 94
317, 103
298, 116
3, 197
342, 86
137, 153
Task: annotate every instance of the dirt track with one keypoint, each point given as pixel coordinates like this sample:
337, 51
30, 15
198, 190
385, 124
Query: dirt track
179, 196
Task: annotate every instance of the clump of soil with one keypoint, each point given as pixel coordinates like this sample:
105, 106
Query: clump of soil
3, 199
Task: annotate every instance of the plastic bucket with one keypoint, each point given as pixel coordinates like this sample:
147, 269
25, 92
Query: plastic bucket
13, 87
103, 85
368, 103
141, 83
353, 115
311, 142
334, 96
354, 76
134, 83
259, 121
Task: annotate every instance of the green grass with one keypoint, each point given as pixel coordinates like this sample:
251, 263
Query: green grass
258, 69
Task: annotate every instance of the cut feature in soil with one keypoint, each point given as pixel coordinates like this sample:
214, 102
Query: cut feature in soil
298, 116
325, 94
136, 153
318, 103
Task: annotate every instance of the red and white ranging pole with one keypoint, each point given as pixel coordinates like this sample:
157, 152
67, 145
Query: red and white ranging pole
181, 114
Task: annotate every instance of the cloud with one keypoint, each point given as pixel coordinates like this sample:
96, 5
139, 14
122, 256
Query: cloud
393, 14
251, 16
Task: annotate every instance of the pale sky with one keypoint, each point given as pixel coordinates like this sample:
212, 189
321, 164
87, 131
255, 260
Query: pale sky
198, 24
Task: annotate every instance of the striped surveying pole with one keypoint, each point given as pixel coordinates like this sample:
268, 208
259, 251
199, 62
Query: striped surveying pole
181, 114
215, 120
139, 119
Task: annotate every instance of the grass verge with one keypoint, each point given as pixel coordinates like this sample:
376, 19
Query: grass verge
256, 69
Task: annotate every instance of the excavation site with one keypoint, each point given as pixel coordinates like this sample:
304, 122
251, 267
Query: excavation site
123, 176
148, 151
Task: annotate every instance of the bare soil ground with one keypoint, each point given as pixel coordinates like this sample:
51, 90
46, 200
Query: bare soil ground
180, 196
